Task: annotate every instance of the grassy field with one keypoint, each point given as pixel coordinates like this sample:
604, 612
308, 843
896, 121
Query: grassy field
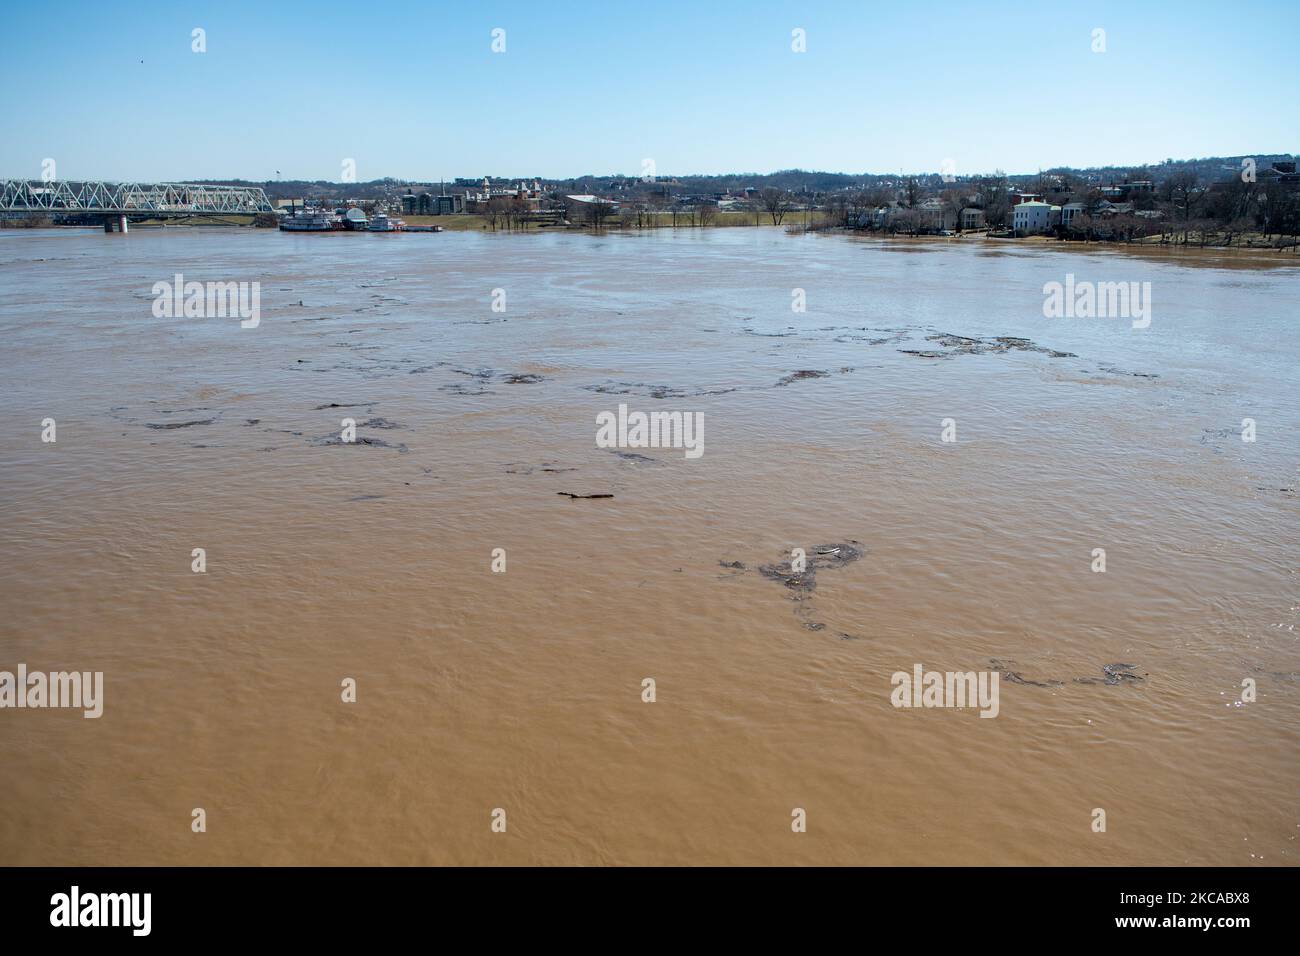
450, 223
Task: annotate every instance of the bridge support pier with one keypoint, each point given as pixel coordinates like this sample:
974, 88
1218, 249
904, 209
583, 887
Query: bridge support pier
120, 221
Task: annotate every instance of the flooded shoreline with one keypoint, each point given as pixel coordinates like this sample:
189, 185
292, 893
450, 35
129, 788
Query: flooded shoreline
522, 689
1258, 251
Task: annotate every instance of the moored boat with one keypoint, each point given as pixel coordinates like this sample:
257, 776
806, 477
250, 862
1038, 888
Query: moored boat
308, 222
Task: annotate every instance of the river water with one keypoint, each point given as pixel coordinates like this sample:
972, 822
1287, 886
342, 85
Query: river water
523, 690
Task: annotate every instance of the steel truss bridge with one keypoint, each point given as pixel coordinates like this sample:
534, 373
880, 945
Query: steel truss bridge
128, 200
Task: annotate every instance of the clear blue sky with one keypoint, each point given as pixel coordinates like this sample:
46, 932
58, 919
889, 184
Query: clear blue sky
413, 90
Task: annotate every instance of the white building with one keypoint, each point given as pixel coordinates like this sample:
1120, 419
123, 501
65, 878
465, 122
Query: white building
1028, 218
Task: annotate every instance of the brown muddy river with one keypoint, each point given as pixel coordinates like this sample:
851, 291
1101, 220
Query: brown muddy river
523, 690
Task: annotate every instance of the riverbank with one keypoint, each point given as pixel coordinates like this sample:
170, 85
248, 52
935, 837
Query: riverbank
1240, 255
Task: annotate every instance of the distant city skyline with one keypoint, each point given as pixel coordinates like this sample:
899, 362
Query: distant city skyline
415, 91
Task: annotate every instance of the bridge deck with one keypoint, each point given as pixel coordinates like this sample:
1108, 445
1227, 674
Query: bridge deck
155, 199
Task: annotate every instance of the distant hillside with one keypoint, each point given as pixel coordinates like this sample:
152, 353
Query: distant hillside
1207, 170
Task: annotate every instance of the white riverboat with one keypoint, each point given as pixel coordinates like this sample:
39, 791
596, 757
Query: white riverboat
308, 222
381, 223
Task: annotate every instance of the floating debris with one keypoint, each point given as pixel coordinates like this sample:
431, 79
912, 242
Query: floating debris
653, 391
1111, 369
482, 377
460, 388
551, 467
1114, 674
673, 391
360, 441
826, 557
569, 494
1015, 677
800, 375
633, 457
965, 345
170, 425
896, 335
1111, 674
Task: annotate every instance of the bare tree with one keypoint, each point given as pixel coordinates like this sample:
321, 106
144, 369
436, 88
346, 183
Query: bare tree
496, 211
992, 193
654, 210
776, 202
954, 201
913, 192
837, 208
597, 212
1182, 192
518, 213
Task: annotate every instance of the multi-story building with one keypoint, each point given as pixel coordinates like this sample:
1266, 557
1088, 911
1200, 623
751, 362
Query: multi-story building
1032, 217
